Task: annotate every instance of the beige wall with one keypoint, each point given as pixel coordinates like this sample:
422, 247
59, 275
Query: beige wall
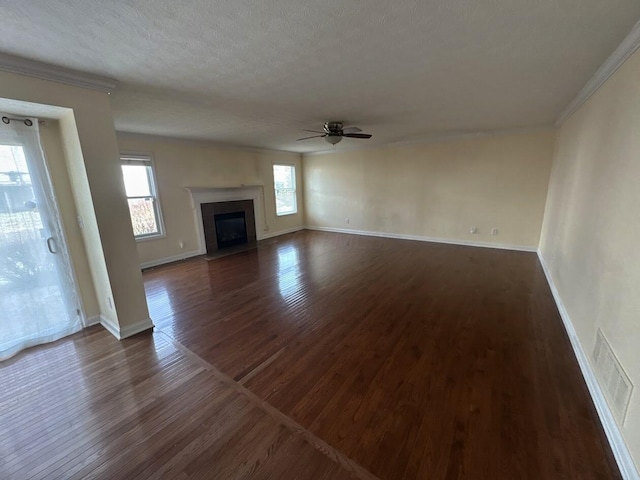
50, 138
591, 228
91, 152
182, 163
437, 190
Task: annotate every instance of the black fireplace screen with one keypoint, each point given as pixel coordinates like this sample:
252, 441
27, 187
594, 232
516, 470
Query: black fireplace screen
231, 229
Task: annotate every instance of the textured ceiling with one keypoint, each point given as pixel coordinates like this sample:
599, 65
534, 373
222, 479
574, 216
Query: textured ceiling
256, 73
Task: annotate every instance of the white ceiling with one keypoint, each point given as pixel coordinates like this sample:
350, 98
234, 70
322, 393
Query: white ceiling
256, 73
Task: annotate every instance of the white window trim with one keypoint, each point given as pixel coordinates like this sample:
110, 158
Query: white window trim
148, 157
295, 189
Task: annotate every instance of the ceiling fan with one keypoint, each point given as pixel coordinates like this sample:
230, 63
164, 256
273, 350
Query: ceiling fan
333, 133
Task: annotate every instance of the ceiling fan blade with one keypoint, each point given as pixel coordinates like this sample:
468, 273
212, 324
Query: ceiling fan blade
357, 135
351, 130
312, 131
315, 136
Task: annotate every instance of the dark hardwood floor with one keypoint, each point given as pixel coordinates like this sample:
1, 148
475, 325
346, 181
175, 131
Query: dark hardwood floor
415, 360
316, 355
89, 406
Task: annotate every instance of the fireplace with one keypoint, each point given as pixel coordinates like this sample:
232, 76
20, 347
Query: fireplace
231, 229
227, 224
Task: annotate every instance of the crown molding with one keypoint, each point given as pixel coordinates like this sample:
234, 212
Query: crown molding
46, 71
160, 138
620, 55
438, 138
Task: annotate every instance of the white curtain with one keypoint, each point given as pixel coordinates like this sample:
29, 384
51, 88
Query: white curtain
38, 301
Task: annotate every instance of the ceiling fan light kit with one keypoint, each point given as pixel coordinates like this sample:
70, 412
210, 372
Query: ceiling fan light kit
334, 132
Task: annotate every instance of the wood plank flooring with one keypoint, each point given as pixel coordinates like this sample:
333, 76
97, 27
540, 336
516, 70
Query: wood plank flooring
89, 406
415, 360
316, 356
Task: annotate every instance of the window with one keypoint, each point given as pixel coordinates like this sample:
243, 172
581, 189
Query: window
284, 179
140, 185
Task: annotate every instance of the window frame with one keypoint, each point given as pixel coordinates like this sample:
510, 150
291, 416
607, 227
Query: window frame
145, 159
294, 189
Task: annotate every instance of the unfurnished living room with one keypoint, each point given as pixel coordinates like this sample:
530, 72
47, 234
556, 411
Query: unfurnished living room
319, 240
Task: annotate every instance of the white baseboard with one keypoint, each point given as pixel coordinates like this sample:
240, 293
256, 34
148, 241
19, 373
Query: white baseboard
127, 331
264, 236
111, 327
138, 327
173, 258
91, 321
620, 451
520, 248
195, 253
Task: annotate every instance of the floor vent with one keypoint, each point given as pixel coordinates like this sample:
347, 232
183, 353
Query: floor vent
614, 381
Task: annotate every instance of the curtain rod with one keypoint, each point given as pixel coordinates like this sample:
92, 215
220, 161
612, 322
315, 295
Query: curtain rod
26, 121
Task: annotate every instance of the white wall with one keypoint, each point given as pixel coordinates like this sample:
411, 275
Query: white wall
183, 163
437, 190
50, 138
91, 152
591, 231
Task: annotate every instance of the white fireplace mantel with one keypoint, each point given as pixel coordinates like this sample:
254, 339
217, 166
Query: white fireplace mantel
200, 195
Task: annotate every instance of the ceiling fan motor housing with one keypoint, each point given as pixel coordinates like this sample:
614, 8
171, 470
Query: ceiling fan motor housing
333, 128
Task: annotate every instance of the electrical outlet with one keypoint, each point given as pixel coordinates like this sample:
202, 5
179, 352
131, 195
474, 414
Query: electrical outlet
181, 244
110, 302
473, 230
494, 231
347, 220
81, 222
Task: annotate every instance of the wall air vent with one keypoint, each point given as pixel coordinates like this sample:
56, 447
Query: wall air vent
613, 379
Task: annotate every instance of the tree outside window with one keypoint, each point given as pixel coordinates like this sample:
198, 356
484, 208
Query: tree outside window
140, 186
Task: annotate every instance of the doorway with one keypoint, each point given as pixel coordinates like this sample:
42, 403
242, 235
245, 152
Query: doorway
38, 296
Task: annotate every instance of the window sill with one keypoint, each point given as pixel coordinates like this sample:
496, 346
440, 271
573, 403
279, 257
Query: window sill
151, 237
285, 214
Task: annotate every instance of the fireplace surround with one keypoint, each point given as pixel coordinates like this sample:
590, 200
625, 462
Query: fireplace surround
227, 224
203, 195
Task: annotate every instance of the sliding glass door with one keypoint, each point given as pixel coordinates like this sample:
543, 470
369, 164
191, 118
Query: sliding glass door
38, 300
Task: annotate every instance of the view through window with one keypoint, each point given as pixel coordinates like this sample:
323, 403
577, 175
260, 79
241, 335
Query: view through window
139, 183
284, 179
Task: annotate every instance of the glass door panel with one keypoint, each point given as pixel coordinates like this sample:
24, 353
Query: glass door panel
38, 302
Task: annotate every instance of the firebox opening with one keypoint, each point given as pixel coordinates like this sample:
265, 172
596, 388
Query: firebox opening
231, 229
